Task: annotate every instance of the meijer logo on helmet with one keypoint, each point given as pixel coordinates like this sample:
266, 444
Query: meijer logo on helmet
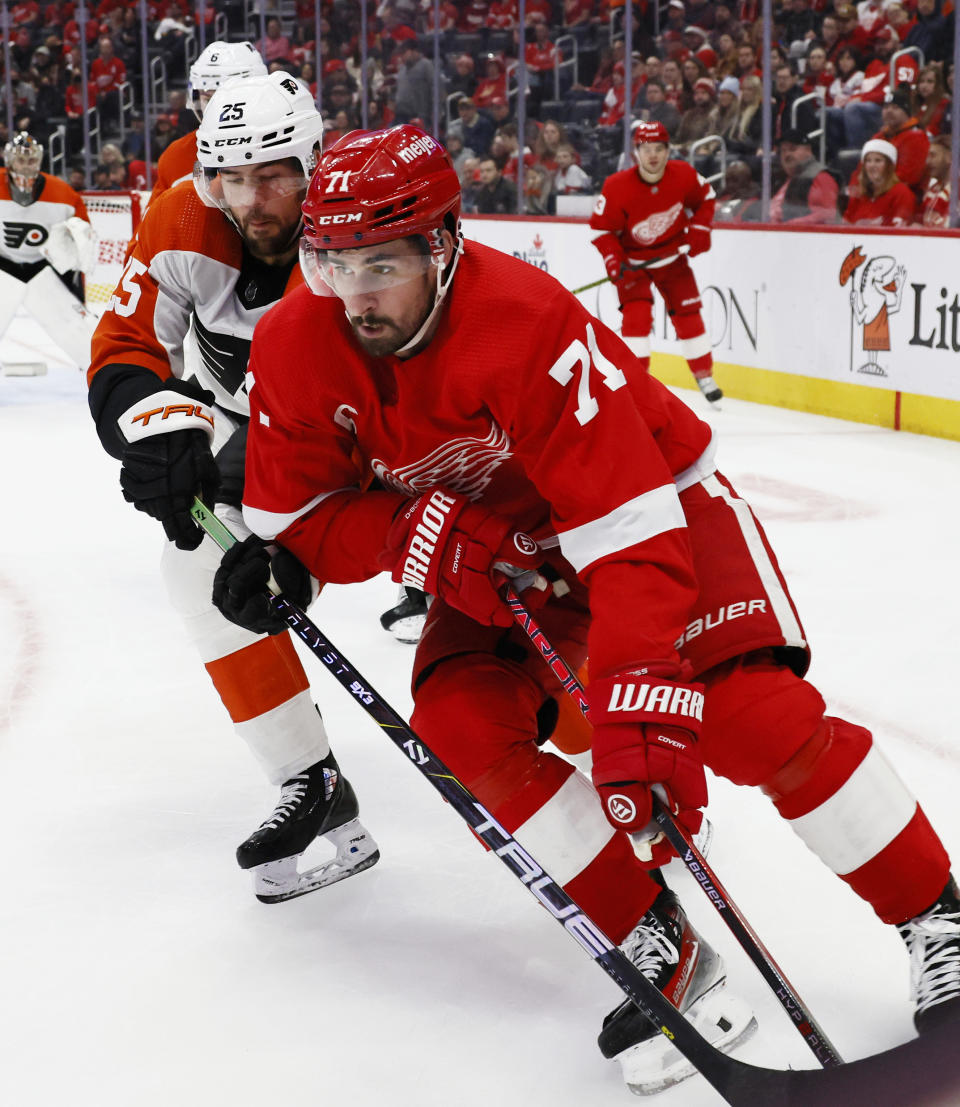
416, 149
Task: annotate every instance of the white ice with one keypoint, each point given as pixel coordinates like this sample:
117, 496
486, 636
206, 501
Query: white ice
137, 969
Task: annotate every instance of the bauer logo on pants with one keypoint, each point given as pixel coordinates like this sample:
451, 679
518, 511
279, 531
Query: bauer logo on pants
622, 809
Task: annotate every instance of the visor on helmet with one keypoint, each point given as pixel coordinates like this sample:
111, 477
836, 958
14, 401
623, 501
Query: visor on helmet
351, 273
219, 188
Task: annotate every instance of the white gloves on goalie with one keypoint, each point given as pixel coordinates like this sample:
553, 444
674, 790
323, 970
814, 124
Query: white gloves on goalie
71, 245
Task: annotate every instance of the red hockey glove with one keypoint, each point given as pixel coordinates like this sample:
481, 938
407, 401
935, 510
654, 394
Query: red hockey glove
698, 239
445, 545
614, 259
645, 730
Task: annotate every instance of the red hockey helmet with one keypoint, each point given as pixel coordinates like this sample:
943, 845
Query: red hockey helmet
375, 186
650, 132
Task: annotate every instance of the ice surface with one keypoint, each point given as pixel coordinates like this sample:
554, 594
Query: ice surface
137, 968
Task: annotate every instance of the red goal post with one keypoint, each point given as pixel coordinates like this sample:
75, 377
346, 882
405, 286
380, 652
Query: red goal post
115, 217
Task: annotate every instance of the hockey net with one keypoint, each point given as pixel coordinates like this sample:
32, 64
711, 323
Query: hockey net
115, 217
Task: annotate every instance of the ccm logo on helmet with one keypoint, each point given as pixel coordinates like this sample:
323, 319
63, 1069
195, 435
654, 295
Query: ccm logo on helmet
238, 141
416, 149
344, 217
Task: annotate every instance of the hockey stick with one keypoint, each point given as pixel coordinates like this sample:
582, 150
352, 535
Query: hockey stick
804, 1022
740, 1084
684, 249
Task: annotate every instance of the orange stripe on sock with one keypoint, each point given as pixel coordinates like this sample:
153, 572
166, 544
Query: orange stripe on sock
259, 677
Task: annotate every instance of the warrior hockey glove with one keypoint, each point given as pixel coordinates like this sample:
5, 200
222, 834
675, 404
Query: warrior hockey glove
645, 730
167, 458
241, 585
698, 239
453, 549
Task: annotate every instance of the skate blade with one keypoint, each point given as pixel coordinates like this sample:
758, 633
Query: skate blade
654, 1065
277, 881
408, 629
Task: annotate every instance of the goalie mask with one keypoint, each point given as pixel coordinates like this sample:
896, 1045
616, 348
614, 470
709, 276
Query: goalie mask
218, 63
373, 188
22, 157
256, 122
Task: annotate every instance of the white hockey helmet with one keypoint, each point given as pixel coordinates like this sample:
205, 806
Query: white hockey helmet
22, 158
221, 62
257, 121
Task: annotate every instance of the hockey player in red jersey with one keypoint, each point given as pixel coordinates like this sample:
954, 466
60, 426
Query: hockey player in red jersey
653, 218
491, 407
218, 63
168, 393
46, 245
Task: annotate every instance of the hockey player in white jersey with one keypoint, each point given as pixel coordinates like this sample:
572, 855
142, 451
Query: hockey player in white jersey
46, 245
169, 396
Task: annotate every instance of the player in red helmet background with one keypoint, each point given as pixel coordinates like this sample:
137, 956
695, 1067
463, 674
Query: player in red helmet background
654, 217
494, 410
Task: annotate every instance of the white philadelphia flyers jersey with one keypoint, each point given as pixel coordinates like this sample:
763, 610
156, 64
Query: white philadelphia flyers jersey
23, 230
189, 298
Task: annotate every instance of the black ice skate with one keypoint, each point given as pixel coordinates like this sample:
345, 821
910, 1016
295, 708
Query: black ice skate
671, 954
933, 941
711, 390
405, 621
317, 803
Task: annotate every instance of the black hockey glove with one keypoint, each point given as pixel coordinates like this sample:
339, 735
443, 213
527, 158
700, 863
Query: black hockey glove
167, 460
241, 585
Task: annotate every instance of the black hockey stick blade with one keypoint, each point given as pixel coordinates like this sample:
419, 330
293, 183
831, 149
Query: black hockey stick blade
740, 1084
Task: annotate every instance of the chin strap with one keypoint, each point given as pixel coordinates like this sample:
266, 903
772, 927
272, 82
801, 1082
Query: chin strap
443, 286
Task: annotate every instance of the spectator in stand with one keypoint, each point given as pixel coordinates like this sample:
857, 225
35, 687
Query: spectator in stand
699, 120
671, 35
134, 141
503, 15
499, 111
809, 194
171, 33
75, 179
549, 139
473, 16
459, 154
274, 45
739, 202
569, 179
901, 20
877, 196
934, 207
816, 74
495, 195
785, 94
831, 38
848, 79
931, 32
448, 17
672, 80
801, 23
107, 73
414, 97
728, 107
161, 136
101, 178
493, 84
851, 125
475, 129
911, 141
542, 56
850, 31
463, 79
930, 101
538, 196
746, 62
505, 148
613, 102
578, 12
658, 109
539, 11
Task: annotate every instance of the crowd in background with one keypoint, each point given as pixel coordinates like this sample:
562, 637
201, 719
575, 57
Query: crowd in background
885, 142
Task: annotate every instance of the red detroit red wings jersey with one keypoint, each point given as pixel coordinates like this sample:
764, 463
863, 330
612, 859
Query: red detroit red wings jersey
521, 402
650, 220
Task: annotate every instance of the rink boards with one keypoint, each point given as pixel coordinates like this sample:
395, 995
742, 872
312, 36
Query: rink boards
861, 325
